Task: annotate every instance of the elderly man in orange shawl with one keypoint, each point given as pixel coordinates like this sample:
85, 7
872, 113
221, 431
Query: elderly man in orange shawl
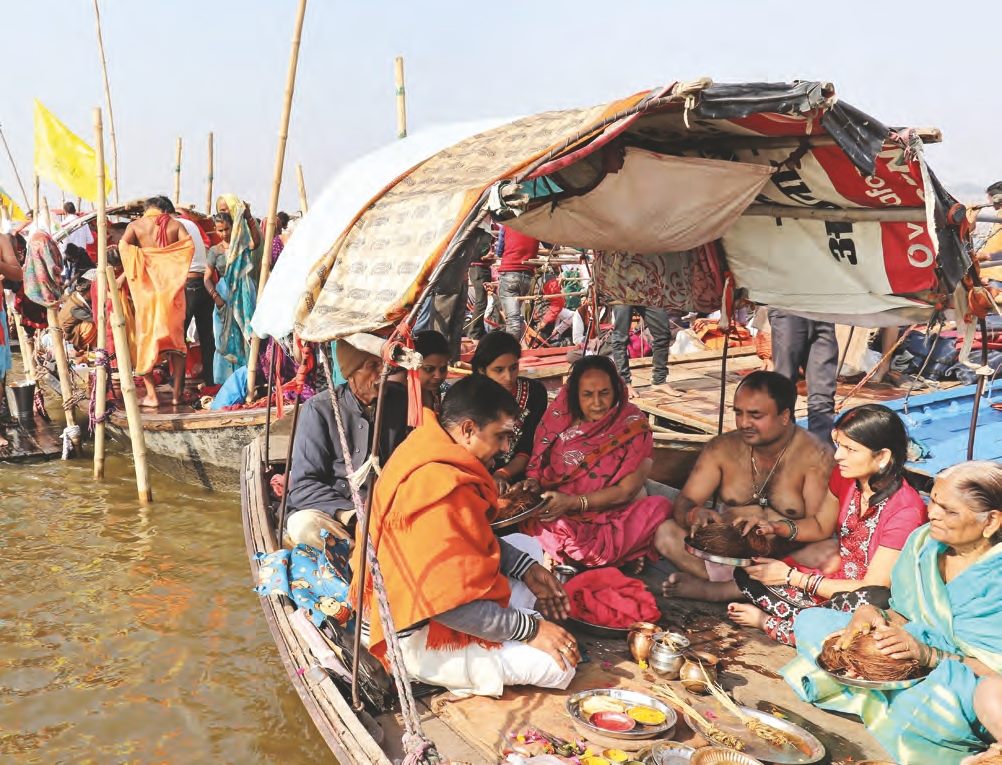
592, 455
156, 253
461, 599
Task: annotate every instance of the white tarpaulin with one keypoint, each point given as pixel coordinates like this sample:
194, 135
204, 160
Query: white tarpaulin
343, 198
654, 203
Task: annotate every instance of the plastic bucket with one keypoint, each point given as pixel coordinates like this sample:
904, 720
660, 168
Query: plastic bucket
24, 400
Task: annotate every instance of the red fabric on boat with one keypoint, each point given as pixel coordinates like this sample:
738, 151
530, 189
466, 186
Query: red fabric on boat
607, 597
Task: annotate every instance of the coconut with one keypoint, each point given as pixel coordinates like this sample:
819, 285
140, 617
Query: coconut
726, 540
863, 659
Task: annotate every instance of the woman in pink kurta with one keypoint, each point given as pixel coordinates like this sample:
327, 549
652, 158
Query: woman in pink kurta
591, 456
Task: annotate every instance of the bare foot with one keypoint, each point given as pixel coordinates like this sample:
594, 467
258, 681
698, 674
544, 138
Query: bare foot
634, 567
666, 390
149, 403
747, 615
683, 585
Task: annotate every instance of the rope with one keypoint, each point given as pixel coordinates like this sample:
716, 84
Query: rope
70, 434
101, 359
866, 378
417, 746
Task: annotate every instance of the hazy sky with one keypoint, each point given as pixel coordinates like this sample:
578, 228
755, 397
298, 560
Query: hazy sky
179, 67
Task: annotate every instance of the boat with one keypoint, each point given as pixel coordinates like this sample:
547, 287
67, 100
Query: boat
197, 447
767, 176
473, 730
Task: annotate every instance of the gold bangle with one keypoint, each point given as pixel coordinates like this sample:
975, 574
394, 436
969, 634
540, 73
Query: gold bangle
583, 499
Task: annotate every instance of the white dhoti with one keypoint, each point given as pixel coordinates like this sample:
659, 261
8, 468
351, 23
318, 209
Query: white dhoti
478, 671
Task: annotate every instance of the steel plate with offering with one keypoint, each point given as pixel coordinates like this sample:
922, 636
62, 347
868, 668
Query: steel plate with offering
724, 543
861, 664
609, 712
799, 747
721, 559
515, 506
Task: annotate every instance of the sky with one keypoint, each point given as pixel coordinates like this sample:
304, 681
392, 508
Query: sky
184, 68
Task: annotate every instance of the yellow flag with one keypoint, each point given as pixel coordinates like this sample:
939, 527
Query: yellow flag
10, 204
63, 158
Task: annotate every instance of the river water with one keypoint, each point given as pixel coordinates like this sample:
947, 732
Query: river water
132, 635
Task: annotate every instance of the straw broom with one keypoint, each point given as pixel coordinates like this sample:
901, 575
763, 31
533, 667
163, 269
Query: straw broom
276, 186
101, 379
128, 385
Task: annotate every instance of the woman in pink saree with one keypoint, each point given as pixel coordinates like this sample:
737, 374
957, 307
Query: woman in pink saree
591, 457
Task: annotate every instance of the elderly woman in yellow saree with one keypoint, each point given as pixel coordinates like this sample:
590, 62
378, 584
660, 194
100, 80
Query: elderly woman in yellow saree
946, 591
242, 257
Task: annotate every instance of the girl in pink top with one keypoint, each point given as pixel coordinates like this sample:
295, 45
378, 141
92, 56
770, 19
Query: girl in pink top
871, 511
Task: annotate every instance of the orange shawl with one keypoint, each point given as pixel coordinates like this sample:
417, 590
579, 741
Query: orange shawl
156, 281
430, 528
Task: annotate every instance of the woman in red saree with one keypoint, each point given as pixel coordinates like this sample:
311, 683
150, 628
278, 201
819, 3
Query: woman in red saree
592, 456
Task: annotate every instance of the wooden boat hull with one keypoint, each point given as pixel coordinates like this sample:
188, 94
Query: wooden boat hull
340, 727
202, 448
675, 455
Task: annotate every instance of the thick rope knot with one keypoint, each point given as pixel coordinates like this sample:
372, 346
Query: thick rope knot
70, 434
418, 749
362, 474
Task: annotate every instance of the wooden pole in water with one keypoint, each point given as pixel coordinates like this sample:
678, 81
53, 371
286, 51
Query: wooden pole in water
177, 173
101, 316
128, 385
17, 175
107, 101
276, 186
304, 205
398, 74
24, 343
208, 192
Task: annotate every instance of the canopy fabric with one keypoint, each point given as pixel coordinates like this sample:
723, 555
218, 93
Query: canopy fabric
653, 203
678, 281
350, 191
831, 212
379, 267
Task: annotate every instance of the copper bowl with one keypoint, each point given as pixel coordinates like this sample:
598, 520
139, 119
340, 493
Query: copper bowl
698, 667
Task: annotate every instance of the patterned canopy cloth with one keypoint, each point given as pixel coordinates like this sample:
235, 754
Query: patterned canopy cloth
43, 269
233, 340
933, 721
580, 458
679, 281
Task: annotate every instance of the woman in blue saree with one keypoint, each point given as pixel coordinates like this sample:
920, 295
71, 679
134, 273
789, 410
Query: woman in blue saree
946, 612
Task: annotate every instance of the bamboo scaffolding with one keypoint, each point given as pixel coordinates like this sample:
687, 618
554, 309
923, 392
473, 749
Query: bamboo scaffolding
208, 192
24, 343
17, 175
304, 205
100, 312
36, 210
276, 187
128, 386
107, 101
398, 75
177, 173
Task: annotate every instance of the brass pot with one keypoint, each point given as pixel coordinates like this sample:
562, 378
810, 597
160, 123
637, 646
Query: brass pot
699, 667
640, 638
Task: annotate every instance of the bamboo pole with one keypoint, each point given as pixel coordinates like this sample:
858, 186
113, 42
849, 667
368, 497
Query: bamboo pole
23, 342
107, 101
128, 385
36, 215
17, 175
304, 205
398, 76
844, 215
177, 173
62, 367
276, 187
208, 192
101, 316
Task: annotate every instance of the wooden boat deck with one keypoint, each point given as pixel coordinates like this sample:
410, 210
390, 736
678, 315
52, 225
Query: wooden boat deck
473, 730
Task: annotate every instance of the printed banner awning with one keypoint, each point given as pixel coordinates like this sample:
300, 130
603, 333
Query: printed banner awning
816, 207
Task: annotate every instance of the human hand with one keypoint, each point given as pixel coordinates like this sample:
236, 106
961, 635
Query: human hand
558, 643
759, 526
218, 300
769, 571
501, 482
866, 619
556, 505
701, 516
551, 598
897, 643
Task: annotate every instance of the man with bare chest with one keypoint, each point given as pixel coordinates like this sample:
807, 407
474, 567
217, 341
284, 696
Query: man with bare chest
768, 467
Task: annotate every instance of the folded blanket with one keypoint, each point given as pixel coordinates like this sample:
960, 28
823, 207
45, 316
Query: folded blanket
607, 597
